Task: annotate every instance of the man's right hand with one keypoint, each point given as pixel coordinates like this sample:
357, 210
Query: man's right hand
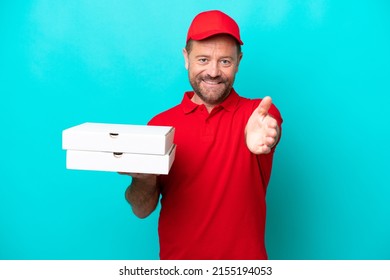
143, 193
138, 175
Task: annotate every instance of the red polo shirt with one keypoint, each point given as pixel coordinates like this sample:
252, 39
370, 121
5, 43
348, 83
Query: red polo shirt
213, 200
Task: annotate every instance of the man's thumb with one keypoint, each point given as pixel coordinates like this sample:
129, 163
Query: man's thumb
264, 106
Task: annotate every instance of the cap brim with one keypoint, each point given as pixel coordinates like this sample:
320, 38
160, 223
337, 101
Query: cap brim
205, 35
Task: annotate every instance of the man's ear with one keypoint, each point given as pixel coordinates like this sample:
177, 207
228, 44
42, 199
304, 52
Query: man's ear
185, 54
239, 60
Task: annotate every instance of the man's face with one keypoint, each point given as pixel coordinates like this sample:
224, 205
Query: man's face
212, 65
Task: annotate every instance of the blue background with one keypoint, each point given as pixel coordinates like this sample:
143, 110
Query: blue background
326, 63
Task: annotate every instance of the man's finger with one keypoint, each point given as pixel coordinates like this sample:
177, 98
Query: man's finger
264, 106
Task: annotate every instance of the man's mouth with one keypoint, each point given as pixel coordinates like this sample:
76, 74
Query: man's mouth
212, 82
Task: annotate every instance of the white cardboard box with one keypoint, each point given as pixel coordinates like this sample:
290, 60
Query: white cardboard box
124, 138
119, 148
120, 162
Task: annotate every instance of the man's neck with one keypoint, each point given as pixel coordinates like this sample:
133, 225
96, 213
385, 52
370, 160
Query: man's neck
195, 98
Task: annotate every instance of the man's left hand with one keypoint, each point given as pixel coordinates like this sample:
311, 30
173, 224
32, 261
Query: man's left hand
261, 131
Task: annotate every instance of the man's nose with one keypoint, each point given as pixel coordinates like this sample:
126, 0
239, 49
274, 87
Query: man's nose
213, 70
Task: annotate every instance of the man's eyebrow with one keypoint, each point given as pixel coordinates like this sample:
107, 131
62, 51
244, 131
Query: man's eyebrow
227, 56
222, 57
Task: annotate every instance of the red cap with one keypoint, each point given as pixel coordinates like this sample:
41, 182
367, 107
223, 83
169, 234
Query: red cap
211, 23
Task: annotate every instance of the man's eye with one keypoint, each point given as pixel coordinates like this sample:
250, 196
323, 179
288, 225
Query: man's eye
202, 60
225, 62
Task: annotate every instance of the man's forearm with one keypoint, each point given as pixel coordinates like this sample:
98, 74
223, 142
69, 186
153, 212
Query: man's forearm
143, 195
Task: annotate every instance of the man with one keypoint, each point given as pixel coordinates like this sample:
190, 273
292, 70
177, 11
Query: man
213, 200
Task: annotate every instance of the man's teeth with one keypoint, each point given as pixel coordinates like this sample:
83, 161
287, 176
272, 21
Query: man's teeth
212, 82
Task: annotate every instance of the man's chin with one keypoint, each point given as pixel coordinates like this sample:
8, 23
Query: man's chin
212, 97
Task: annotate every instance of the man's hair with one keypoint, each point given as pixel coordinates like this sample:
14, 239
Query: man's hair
189, 47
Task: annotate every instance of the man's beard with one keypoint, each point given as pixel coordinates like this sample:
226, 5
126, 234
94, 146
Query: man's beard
208, 95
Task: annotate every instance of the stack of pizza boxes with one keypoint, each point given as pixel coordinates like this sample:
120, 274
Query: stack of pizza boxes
119, 148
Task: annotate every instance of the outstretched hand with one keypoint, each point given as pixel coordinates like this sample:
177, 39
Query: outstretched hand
261, 131
149, 179
138, 175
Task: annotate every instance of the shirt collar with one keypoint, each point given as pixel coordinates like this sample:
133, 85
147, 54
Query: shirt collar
228, 104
